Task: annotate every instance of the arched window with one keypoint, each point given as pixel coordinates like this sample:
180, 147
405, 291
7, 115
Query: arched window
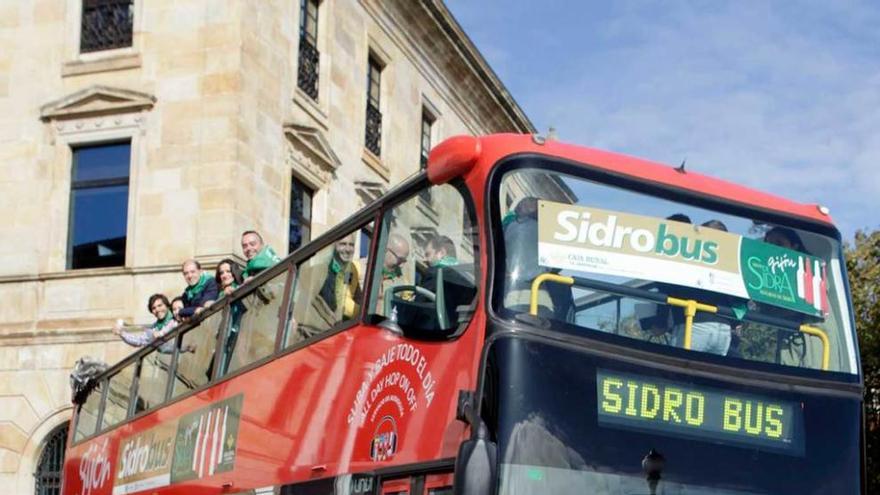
48, 475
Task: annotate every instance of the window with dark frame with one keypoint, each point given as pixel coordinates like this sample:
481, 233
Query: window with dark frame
47, 478
106, 25
300, 215
98, 206
427, 125
425, 148
309, 57
374, 115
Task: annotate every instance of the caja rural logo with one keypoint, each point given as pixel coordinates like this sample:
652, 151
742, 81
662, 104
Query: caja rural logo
577, 226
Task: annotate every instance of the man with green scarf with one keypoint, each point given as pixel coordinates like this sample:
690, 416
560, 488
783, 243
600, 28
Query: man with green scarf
259, 256
201, 289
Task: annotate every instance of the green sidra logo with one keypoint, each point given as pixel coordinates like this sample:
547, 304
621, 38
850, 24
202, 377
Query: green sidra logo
578, 227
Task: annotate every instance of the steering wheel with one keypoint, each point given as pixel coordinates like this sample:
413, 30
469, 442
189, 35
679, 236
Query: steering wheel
413, 288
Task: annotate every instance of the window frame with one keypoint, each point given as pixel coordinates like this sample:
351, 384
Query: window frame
585, 171
81, 18
59, 434
93, 184
303, 221
428, 121
308, 46
375, 66
282, 348
375, 276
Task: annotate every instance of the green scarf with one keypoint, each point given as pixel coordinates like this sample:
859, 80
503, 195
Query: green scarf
508, 219
193, 290
392, 274
161, 323
223, 292
264, 259
446, 261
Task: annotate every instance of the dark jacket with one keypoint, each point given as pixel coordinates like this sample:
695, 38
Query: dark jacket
208, 293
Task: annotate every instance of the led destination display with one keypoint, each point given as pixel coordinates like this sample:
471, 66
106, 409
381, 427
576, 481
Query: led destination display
678, 409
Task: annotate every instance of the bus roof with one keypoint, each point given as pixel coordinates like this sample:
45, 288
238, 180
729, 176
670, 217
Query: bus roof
484, 152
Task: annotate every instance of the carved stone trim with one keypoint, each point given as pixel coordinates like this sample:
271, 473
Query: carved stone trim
97, 101
369, 191
95, 124
310, 155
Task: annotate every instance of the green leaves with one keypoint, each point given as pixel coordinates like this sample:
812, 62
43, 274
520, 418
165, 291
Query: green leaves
863, 266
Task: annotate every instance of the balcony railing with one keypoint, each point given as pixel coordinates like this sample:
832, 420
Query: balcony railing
309, 63
106, 24
374, 130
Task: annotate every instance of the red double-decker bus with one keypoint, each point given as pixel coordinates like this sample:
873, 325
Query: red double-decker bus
524, 316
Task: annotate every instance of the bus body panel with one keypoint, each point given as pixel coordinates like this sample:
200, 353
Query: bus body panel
358, 400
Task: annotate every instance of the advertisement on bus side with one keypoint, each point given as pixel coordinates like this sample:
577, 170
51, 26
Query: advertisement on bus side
605, 242
196, 445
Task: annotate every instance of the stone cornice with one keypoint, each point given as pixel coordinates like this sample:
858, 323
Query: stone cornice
207, 262
444, 19
310, 154
96, 100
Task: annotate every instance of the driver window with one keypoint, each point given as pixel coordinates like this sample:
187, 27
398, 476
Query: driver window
424, 277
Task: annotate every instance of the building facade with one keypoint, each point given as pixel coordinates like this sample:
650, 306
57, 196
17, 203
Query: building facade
135, 134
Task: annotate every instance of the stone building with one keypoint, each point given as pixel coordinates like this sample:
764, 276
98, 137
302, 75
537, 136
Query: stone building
135, 134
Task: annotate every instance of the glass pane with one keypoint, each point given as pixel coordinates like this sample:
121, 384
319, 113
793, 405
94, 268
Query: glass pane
153, 380
98, 227
328, 289
118, 396
195, 361
769, 284
254, 324
87, 418
300, 215
426, 281
109, 161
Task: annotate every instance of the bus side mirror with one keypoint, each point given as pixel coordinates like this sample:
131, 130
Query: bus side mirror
476, 464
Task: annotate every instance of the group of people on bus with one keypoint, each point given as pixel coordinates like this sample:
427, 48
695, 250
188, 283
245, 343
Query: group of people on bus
201, 291
334, 283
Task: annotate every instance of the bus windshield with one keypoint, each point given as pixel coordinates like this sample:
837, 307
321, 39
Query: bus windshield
670, 274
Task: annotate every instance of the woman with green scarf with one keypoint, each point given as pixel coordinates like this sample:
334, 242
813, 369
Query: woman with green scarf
228, 277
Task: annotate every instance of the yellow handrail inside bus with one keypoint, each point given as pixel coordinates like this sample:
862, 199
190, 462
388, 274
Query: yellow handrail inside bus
690, 310
826, 344
536, 284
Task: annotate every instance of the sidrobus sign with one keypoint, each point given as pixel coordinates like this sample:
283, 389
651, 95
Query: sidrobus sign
671, 408
144, 460
195, 446
572, 237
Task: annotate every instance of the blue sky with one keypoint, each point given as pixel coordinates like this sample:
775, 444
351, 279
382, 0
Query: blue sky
780, 96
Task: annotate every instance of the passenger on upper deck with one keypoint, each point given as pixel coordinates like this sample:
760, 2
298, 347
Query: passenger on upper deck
784, 237
396, 256
521, 251
341, 288
259, 256
176, 306
228, 276
709, 333
439, 253
158, 305
201, 289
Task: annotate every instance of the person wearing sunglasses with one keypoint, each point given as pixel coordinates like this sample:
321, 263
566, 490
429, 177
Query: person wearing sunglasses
396, 256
